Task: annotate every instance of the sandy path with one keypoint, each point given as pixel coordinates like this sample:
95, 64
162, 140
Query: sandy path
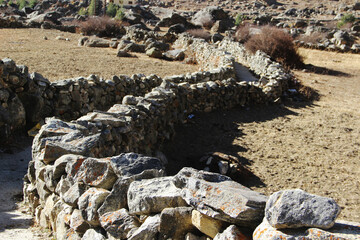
14, 223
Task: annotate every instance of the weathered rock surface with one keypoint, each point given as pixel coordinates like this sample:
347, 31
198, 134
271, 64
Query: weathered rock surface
175, 223
96, 173
231, 233
119, 223
89, 203
92, 234
130, 164
206, 224
219, 197
297, 208
153, 195
341, 230
147, 230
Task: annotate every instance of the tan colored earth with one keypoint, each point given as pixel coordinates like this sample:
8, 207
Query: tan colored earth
296, 144
59, 59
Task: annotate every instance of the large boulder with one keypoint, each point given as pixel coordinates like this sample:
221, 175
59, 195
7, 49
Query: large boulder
297, 208
209, 14
221, 198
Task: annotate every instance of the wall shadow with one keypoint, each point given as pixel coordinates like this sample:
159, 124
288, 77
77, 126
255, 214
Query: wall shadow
215, 132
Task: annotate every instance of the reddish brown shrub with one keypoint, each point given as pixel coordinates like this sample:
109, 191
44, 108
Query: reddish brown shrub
242, 33
200, 33
277, 44
102, 27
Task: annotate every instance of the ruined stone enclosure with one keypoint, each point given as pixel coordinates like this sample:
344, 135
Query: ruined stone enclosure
85, 174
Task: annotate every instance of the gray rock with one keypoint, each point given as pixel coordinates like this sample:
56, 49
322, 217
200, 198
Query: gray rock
297, 208
147, 230
123, 53
89, 203
117, 199
97, 42
72, 195
340, 230
60, 164
96, 173
77, 222
219, 197
154, 53
153, 195
231, 233
176, 55
119, 223
175, 223
93, 234
130, 164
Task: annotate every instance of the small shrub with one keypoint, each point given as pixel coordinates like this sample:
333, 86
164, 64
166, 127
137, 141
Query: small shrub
111, 10
239, 19
101, 27
277, 44
1, 1
242, 33
32, 3
21, 3
199, 33
82, 11
120, 13
347, 18
93, 6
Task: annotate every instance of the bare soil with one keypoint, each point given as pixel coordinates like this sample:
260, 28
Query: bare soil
298, 144
59, 59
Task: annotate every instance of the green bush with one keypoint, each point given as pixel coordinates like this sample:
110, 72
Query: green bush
82, 11
120, 13
21, 3
1, 2
111, 10
32, 3
239, 19
347, 18
93, 7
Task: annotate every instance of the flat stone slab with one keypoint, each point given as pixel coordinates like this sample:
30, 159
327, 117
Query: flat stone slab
297, 208
130, 164
342, 230
153, 195
220, 197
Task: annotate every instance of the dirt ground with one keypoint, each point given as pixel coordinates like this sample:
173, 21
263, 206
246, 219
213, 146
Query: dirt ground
297, 144
59, 59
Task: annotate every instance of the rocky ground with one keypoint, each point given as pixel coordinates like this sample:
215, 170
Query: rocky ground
65, 59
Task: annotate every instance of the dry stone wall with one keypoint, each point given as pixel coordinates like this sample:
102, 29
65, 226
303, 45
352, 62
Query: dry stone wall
28, 98
94, 177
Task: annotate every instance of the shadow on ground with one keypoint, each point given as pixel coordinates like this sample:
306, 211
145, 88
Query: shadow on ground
215, 132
